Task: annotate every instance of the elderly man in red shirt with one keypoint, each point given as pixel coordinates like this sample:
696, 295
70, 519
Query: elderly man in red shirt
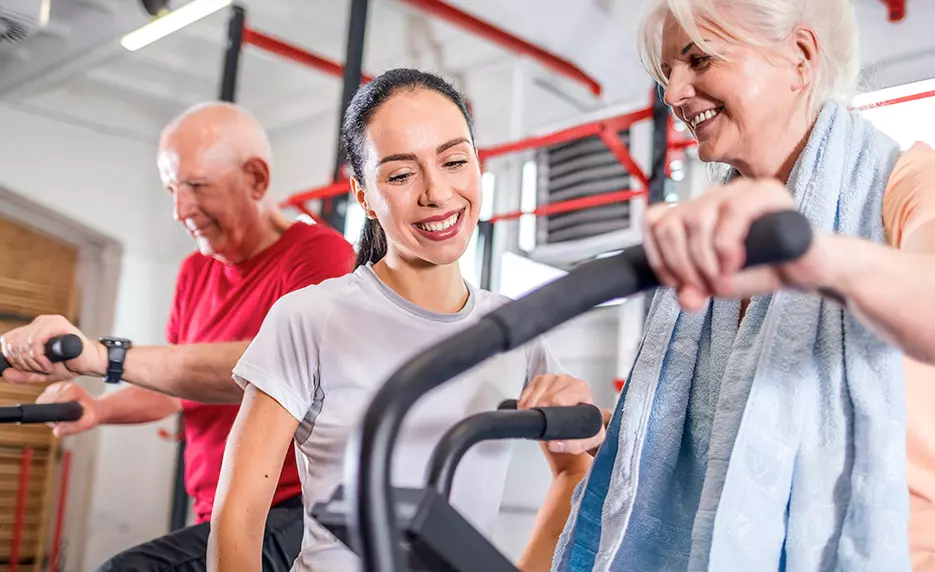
215, 160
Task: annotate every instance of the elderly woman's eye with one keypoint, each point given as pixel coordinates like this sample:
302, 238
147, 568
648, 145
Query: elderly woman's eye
698, 62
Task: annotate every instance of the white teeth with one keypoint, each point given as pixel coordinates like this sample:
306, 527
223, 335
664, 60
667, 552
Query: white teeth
441, 225
704, 116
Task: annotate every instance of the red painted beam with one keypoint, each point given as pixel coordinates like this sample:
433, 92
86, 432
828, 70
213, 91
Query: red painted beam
572, 205
60, 512
296, 54
618, 123
20, 510
499, 36
333, 190
896, 10
903, 99
611, 138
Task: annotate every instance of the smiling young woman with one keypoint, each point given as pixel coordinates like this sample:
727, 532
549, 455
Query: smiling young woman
323, 351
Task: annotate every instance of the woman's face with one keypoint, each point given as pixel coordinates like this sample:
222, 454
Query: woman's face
736, 107
422, 177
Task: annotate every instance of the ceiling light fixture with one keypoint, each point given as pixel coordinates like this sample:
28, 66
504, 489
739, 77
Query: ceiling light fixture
171, 22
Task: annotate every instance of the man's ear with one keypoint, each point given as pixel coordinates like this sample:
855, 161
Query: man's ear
361, 195
257, 172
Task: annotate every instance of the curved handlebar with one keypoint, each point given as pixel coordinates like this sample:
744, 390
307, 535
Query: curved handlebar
42, 413
59, 348
538, 423
774, 238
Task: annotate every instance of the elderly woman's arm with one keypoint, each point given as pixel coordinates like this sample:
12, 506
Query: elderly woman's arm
892, 291
698, 249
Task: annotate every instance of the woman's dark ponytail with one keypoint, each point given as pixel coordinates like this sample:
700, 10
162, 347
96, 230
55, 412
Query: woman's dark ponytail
369, 98
372, 245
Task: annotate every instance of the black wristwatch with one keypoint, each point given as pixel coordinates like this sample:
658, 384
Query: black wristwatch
116, 354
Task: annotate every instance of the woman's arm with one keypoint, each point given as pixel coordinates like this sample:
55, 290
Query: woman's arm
567, 472
892, 291
569, 461
253, 457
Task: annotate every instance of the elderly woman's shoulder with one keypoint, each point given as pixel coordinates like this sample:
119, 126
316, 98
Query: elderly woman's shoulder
917, 160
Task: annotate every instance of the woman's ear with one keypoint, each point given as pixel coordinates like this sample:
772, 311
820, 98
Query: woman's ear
361, 195
806, 50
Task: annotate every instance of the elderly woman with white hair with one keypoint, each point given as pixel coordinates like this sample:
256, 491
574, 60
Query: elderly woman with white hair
763, 426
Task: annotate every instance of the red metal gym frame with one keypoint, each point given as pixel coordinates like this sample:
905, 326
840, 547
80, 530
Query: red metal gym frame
295, 53
21, 498
60, 511
897, 100
896, 9
607, 129
499, 36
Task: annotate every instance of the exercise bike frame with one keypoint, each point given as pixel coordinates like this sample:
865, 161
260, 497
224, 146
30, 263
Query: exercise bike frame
774, 238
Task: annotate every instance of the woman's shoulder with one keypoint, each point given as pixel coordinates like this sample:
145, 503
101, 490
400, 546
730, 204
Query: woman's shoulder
321, 294
910, 191
488, 301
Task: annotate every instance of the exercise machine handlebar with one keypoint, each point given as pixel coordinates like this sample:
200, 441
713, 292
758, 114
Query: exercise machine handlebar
59, 348
774, 238
41, 412
539, 424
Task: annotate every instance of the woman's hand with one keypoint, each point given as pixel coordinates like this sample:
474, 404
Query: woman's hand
697, 247
561, 391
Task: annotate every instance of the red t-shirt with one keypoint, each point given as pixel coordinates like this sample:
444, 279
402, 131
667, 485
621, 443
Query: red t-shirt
217, 302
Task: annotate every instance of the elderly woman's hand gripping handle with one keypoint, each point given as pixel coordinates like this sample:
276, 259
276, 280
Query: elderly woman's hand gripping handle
698, 248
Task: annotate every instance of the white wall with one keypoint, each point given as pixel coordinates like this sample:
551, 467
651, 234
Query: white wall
122, 477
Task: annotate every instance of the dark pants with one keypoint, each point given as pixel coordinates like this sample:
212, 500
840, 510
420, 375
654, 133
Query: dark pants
184, 550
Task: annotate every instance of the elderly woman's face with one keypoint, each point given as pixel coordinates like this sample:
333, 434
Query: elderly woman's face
733, 106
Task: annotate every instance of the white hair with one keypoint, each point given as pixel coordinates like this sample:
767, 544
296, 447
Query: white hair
763, 23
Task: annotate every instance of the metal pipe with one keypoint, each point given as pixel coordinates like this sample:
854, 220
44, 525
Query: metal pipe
290, 52
506, 40
22, 496
334, 210
60, 512
235, 28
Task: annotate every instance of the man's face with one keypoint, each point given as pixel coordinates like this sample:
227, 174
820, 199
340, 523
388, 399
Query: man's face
210, 193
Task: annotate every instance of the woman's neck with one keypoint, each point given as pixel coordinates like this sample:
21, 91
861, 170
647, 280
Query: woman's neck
435, 288
777, 156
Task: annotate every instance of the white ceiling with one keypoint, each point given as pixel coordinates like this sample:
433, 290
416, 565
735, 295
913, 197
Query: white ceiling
76, 70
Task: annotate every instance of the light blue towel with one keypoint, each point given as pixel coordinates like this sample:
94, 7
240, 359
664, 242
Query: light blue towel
775, 445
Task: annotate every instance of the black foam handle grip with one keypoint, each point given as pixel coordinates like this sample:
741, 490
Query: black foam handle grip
42, 412
777, 237
575, 422
59, 348
52, 412
508, 404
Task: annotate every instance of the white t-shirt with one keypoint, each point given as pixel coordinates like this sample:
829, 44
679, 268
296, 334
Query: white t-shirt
324, 350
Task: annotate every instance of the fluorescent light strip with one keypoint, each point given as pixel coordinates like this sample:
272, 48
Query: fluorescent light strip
171, 22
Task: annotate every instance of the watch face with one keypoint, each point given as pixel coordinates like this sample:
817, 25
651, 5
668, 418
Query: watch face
116, 342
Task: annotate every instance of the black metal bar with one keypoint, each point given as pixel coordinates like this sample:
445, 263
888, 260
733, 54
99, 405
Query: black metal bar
235, 27
485, 234
180, 499
777, 237
546, 423
657, 178
334, 210
228, 92
489, 426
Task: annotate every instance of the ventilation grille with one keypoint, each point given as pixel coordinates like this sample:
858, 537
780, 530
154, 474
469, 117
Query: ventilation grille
20, 19
582, 168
